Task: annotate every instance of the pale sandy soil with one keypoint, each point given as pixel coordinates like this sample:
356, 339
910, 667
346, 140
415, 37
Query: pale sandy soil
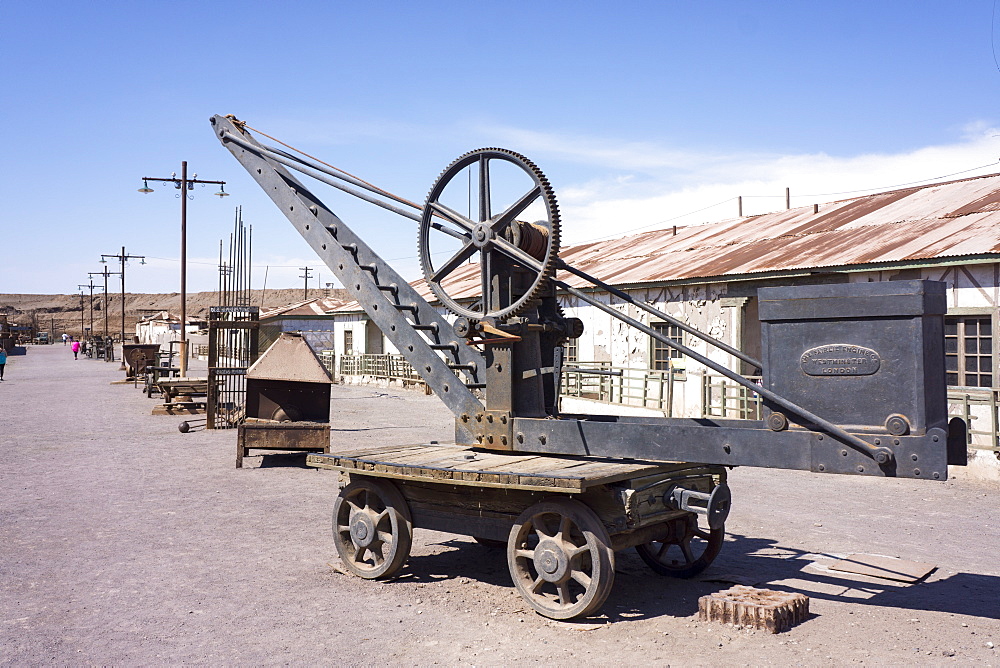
125, 542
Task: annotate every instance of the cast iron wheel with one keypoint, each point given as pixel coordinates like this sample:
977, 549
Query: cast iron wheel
560, 559
372, 528
502, 245
686, 557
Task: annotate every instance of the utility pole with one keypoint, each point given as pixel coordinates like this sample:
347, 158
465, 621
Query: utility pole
82, 324
183, 184
122, 258
306, 276
91, 286
109, 355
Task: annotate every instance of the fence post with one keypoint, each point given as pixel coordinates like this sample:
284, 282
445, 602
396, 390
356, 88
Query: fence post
993, 419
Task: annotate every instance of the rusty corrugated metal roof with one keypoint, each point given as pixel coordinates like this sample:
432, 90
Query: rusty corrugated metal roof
954, 219
943, 220
308, 307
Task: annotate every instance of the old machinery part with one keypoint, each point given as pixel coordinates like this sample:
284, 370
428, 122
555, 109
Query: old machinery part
560, 558
516, 290
715, 506
463, 328
372, 528
777, 421
414, 326
686, 552
897, 425
574, 328
515, 258
881, 454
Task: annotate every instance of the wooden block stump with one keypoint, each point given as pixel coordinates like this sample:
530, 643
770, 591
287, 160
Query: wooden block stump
773, 611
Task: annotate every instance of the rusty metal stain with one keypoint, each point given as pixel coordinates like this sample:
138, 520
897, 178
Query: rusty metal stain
314, 306
988, 202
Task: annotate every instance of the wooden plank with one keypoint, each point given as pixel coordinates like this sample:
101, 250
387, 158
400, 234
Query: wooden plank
449, 463
383, 451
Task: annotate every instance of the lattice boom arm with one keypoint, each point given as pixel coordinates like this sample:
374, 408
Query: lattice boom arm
414, 326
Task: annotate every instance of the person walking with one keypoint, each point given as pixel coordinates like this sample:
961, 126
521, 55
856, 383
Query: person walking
3, 360
65, 337
76, 348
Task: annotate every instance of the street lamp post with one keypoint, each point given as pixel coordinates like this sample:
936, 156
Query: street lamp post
183, 184
122, 258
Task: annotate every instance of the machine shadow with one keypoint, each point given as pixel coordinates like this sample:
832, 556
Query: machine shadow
639, 593
460, 558
767, 564
284, 460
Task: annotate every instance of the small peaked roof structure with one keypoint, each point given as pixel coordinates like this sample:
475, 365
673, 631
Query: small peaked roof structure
317, 306
290, 359
159, 316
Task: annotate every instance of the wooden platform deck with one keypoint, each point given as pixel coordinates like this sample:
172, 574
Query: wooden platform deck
459, 465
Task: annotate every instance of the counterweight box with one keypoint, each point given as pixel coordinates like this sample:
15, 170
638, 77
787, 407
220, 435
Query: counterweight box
862, 355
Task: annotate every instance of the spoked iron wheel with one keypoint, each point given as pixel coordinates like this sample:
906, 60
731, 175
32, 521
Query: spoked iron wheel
372, 528
515, 257
687, 555
560, 559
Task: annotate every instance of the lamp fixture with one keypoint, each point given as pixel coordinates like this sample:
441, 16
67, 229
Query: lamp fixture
222, 191
145, 189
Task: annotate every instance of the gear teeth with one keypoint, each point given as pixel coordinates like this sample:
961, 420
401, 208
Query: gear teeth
551, 254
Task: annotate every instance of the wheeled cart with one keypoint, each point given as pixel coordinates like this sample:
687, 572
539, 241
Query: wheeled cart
853, 381
561, 519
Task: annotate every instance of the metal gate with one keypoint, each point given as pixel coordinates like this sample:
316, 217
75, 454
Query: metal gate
232, 347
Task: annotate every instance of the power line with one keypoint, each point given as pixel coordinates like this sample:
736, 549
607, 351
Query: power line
901, 185
993, 48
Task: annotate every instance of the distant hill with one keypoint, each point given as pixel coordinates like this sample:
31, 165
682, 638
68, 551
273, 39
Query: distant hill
61, 313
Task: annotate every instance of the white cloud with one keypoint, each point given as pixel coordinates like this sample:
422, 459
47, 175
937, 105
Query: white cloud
646, 185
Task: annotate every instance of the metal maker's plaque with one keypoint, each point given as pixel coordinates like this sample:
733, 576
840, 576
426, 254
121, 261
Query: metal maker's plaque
840, 359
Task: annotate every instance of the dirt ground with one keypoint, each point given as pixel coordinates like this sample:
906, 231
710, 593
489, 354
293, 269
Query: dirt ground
61, 313
123, 541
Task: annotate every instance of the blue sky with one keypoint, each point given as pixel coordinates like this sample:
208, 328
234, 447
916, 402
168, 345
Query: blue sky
638, 112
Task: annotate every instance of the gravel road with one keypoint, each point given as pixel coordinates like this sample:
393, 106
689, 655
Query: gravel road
123, 541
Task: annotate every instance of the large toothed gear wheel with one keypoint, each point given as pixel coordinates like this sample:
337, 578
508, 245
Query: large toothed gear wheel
515, 257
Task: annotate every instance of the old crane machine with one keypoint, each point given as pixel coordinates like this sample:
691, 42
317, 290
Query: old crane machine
565, 492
